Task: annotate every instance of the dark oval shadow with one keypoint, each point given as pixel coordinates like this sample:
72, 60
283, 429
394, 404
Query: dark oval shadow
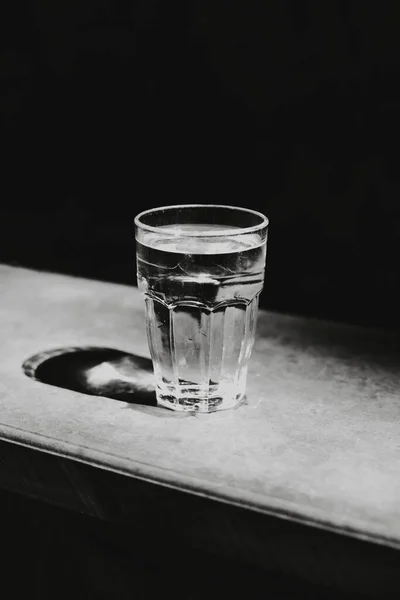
96, 371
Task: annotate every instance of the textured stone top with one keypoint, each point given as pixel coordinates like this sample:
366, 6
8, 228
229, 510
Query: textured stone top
317, 441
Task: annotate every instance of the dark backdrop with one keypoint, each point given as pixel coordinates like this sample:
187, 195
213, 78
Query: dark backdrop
289, 107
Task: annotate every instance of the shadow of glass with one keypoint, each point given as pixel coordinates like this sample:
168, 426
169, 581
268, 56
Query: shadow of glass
96, 371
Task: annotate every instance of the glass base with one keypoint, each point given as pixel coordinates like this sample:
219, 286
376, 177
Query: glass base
197, 403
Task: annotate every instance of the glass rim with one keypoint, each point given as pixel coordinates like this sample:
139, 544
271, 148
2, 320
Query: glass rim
216, 233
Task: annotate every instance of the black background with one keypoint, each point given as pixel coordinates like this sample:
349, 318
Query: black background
108, 108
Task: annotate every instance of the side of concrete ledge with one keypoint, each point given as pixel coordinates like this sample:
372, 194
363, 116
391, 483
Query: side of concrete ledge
159, 520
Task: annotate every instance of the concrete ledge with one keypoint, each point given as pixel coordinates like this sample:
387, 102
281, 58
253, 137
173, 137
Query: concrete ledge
303, 478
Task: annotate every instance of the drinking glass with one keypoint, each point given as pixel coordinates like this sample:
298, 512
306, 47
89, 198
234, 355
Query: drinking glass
200, 268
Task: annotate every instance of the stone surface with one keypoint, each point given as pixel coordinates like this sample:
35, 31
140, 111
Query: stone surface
316, 442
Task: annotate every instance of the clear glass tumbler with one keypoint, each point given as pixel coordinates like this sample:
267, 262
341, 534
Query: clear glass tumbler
201, 269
